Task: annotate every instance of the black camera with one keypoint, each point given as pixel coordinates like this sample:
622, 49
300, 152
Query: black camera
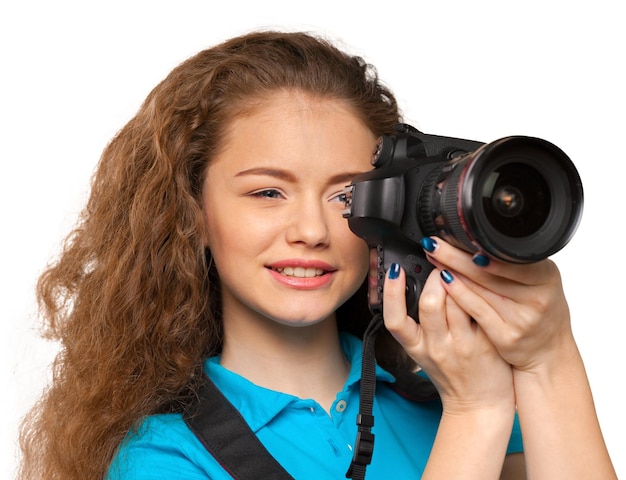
518, 199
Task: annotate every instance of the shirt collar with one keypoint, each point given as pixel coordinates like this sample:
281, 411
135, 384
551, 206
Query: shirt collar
259, 405
353, 347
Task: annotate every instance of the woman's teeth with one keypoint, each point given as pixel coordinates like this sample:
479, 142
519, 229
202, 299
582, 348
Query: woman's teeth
301, 272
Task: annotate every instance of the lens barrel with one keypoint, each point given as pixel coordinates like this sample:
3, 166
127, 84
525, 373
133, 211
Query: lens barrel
518, 199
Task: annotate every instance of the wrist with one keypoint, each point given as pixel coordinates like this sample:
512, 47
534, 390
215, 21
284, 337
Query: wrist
493, 413
471, 442
559, 364
499, 403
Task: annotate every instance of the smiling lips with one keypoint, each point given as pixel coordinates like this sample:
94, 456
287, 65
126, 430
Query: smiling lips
302, 275
301, 272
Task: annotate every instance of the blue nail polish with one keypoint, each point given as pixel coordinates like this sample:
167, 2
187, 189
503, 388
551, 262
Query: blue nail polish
481, 260
394, 271
428, 244
446, 276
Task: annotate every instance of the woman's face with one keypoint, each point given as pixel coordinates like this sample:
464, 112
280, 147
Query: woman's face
273, 207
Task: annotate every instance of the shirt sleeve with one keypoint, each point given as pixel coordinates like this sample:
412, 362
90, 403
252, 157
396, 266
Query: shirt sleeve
515, 442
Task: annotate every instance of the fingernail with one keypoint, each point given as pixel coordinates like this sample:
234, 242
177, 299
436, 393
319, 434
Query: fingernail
481, 260
446, 276
394, 271
428, 244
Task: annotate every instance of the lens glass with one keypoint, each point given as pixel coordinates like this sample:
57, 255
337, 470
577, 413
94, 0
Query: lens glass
516, 199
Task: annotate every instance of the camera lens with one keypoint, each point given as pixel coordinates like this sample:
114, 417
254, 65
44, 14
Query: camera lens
508, 201
518, 199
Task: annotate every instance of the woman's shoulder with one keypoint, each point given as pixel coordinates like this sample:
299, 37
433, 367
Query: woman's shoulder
161, 447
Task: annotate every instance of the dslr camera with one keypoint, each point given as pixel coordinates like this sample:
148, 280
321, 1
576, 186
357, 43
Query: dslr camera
518, 199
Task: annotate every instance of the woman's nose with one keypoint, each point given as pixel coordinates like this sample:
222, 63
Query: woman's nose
309, 225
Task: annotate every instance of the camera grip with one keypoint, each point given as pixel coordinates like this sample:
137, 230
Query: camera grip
416, 267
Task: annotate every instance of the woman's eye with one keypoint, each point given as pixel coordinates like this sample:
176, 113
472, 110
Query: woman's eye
268, 193
340, 197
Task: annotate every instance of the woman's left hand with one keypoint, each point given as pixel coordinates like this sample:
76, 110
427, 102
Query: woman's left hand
521, 307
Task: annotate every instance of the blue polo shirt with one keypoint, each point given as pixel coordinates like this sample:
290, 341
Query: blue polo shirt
307, 441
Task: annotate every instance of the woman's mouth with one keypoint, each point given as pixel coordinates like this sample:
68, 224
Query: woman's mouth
300, 272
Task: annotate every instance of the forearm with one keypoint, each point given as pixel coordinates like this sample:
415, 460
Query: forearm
470, 446
562, 437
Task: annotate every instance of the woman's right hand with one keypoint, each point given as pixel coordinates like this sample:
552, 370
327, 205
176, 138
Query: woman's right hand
453, 350
474, 382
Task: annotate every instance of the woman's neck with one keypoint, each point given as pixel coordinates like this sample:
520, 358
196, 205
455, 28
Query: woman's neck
307, 362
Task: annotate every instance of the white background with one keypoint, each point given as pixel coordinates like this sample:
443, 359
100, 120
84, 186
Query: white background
72, 73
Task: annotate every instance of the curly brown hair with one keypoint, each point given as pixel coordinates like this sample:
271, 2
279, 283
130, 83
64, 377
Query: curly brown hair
132, 299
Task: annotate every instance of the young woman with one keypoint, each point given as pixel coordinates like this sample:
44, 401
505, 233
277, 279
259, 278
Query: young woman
213, 243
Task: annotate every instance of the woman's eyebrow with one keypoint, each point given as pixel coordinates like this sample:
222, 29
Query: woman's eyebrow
344, 177
269, 172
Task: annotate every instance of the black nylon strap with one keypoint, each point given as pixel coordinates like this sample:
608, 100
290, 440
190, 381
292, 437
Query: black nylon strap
364, 444
226, 435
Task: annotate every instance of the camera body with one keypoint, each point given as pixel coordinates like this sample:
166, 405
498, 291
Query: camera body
518, 199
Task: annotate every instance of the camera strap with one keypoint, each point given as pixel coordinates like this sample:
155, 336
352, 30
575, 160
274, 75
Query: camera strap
225, 434
364, 444
408, 384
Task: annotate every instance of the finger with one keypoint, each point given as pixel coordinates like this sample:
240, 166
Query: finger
502, 277
517, 305
459, 321
395, 317
432, 307
474, 305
